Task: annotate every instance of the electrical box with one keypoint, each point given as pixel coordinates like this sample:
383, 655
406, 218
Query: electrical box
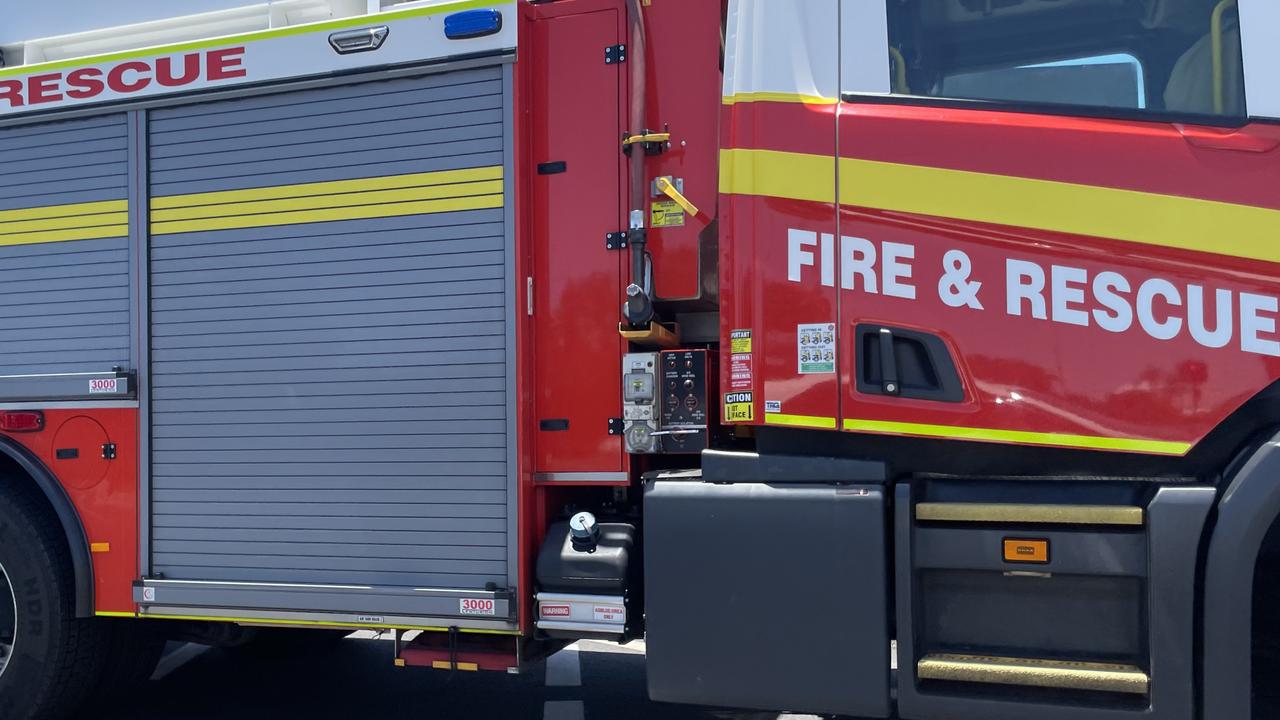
640, 402
684, 410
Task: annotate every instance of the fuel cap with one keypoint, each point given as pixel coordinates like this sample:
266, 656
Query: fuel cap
584, 532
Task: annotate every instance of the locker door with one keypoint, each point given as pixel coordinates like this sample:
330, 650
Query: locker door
577, 200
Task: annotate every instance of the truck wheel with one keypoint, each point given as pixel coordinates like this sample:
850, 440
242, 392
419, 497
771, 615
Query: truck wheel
49, 659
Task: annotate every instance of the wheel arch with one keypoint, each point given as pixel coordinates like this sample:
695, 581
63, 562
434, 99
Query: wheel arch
59, 502
1247, 511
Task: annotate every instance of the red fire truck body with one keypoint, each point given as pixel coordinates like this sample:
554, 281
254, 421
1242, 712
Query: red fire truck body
503, 324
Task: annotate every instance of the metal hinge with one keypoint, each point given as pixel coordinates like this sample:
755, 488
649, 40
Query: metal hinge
109, 451
615, 426
615, 54
615, 241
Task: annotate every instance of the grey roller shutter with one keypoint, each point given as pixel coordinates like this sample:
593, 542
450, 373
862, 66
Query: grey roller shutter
331, 352
64, 249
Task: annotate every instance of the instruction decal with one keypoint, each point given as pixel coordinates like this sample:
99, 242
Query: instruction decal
477, 606
665, 214
816, 348
741, 373
739, 407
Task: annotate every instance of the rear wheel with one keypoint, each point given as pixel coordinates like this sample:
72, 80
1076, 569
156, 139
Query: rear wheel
51, 659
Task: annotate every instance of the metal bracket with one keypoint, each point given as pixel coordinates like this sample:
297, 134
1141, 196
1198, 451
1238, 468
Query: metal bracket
615, 54
615, 426
109, 451
615, 241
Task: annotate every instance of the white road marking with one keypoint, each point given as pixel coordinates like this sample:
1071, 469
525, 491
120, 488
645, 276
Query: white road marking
176, 659
564, 669
635, 647
564, 710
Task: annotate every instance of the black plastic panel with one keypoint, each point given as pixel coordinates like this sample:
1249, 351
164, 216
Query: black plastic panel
767, 597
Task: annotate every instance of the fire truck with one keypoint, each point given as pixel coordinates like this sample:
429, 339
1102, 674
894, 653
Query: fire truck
881, 358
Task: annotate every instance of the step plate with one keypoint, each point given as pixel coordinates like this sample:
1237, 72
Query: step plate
1029, 672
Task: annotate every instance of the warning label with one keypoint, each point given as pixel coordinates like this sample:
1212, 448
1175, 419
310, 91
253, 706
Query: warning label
740, 375
816, 348
738, 407
740, 342
666, 213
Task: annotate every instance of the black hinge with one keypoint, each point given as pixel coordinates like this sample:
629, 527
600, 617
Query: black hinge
109, 451
615, 241
615, 426
615, 54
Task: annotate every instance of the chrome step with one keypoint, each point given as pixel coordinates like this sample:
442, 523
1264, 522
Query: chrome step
1130, 516
1030, 672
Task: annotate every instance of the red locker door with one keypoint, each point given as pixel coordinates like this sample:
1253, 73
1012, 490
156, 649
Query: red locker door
577, 103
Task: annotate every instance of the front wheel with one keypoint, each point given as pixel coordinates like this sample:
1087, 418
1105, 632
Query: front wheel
49, 659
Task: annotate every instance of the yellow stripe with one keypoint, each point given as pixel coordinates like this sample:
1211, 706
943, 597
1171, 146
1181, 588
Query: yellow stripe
769, 173
317, 202
800, 421
354, 22
338, 187
65, 223
1147, 218
765, 96
115, 614
361, 212
321, 623
1156, 447
57, 211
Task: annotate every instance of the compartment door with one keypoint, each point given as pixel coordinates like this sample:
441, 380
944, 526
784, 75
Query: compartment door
331, 355
577, 201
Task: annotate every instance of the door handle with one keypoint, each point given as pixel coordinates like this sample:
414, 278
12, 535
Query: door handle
1251, 139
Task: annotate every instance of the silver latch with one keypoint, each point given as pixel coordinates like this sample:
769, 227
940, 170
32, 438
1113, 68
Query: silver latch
362, 40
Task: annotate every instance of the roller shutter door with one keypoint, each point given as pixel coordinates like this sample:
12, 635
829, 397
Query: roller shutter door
64, 249
331, 347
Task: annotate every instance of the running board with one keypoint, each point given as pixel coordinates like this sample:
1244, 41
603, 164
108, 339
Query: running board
1027, 672
1123, 515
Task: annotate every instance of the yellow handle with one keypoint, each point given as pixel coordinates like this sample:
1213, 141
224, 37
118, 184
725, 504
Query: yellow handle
651, 137
666, 188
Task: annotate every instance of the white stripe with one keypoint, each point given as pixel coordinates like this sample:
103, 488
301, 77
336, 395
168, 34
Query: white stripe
564, 669
176, 659
564, 710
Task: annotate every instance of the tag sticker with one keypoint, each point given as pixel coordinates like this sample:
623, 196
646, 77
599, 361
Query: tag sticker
738, 407
477, 606
108, 386
740, 342
666, 213
816, 348
773, 406
609, 613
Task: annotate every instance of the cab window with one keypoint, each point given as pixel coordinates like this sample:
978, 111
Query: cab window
1141, 57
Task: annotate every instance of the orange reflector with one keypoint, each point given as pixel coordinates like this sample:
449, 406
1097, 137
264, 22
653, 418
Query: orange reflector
400, 662
100, 547
445, 665
1017, 550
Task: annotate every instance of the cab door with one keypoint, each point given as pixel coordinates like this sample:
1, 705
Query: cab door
1057, 222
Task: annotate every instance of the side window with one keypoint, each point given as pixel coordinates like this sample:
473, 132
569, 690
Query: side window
1157, 57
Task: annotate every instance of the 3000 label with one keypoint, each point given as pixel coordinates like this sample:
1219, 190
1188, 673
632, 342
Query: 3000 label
474, 606
108, 385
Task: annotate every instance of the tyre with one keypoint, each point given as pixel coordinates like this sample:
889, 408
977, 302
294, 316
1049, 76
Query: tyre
52, 660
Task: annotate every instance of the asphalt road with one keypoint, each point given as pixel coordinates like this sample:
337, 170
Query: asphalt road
356, 679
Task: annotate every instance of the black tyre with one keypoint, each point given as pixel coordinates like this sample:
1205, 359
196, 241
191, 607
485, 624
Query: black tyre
53, 658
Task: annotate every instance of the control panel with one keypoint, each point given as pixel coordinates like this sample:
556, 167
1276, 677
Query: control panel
640, 402
684, 399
